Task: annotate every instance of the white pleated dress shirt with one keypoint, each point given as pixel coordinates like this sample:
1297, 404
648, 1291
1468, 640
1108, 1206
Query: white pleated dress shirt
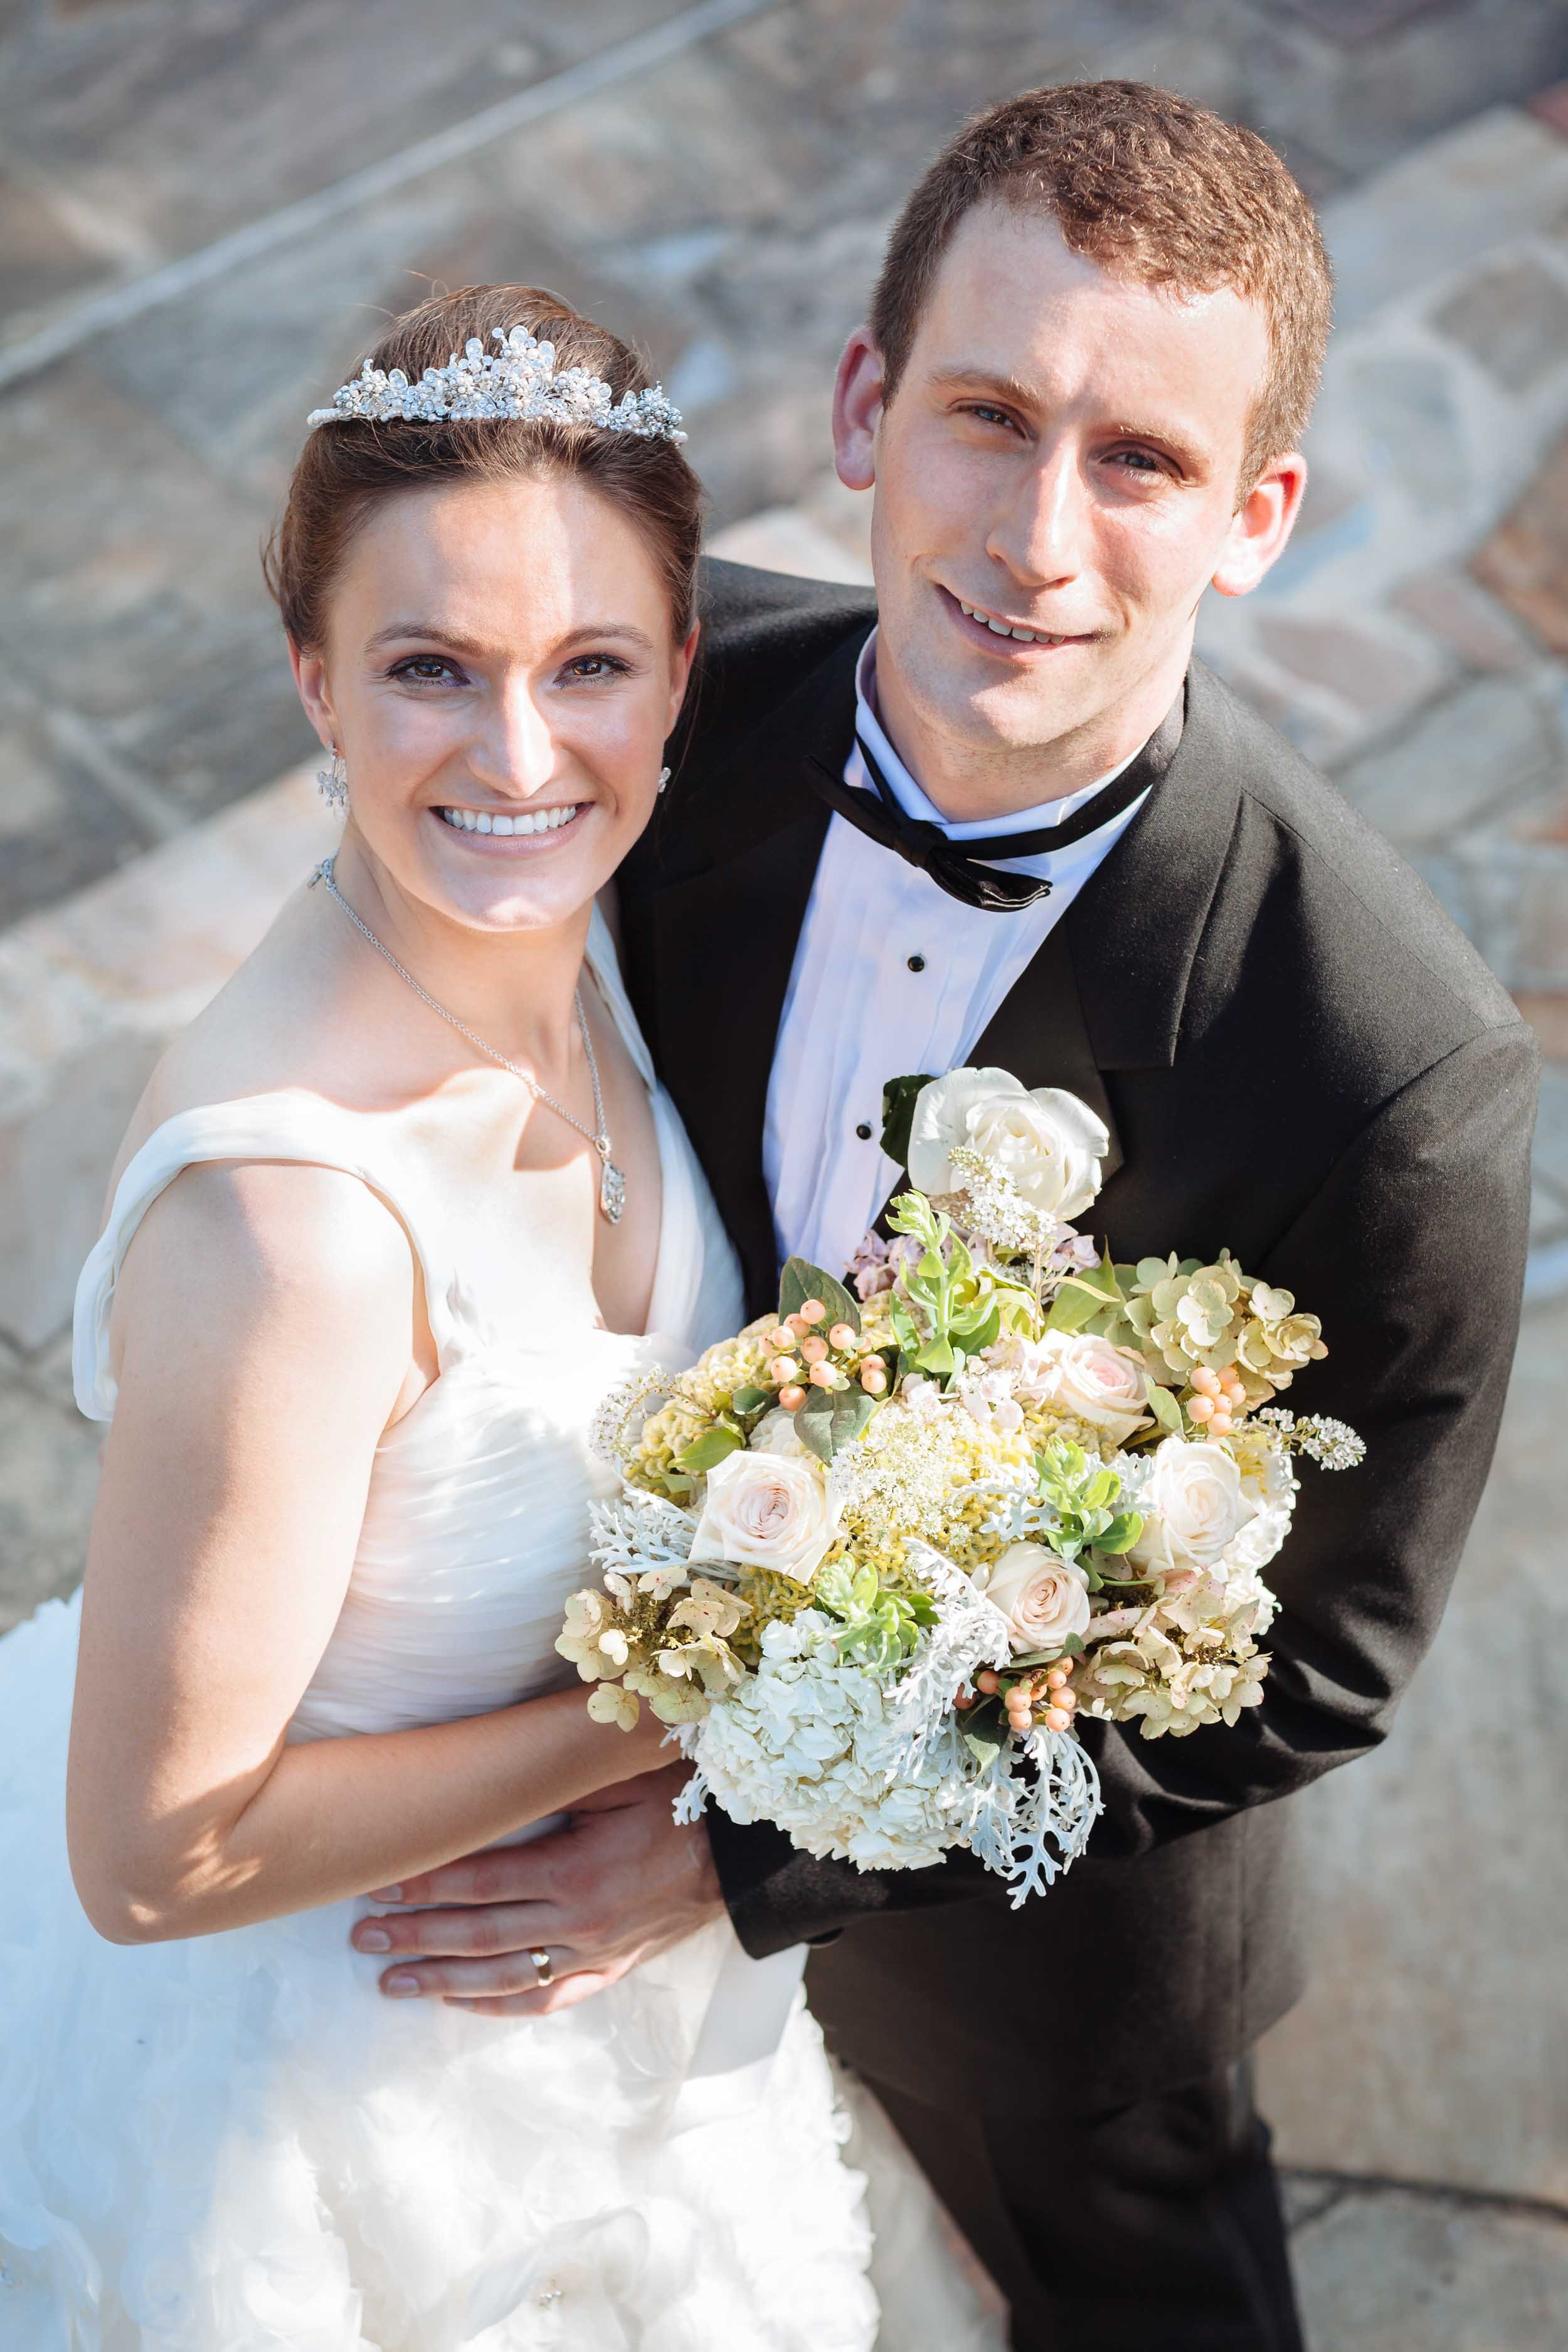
891, 975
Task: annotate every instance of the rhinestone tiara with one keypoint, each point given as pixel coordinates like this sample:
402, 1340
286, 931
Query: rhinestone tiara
520, 381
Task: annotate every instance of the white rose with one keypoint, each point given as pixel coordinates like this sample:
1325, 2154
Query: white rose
1043, 1599
768, 1510
1046, 1141
1193, 1503
1092, 1380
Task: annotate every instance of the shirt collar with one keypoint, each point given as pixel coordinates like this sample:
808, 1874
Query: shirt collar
913, 801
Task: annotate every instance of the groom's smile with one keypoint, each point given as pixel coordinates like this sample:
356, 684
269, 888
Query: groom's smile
1005, 639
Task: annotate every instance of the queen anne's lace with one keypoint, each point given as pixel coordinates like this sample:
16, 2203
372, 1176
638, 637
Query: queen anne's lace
519, 382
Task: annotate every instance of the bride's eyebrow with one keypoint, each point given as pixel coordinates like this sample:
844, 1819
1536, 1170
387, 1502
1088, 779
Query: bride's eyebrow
626, 630
399, 631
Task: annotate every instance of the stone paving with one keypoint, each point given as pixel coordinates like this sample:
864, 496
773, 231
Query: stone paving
188, 261
726, 206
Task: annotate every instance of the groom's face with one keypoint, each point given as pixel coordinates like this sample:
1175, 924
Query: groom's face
1062, 455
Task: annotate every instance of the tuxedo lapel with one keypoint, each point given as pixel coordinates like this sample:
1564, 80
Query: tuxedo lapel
1107, 990
1135, 928
725, 921
1039, 1034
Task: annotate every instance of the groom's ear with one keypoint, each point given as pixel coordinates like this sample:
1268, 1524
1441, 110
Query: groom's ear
857, 411
1261, 525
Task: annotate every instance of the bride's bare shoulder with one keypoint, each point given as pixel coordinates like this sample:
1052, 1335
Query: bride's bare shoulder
265, 1031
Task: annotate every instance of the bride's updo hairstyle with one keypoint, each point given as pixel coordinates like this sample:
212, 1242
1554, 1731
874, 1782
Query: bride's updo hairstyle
348, 466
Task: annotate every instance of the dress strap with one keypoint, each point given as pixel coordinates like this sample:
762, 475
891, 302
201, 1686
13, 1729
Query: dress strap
291, 1126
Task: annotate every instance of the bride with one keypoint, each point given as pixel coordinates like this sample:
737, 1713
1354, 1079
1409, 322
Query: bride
392, 1217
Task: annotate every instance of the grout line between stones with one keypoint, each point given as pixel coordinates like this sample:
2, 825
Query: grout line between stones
80, 740
1338, 2186
103, 312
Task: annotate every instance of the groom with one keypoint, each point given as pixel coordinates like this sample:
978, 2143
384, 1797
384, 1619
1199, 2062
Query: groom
1001, 817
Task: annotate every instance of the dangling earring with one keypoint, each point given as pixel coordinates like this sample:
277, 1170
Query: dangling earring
663, 778
334, 783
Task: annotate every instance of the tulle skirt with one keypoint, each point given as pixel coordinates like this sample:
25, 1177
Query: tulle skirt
235, 2144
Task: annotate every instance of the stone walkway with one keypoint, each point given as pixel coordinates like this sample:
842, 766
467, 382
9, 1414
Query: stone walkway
203, 211
186, 267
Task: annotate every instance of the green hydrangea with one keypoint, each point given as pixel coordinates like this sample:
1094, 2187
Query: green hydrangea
1186, 1316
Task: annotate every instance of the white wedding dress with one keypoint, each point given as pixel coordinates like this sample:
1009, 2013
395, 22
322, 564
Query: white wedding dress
236, 2144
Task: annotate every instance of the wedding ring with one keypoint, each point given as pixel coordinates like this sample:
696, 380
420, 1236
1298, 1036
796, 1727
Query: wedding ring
543, 1974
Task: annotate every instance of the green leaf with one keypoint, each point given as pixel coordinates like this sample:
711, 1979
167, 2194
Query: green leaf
1165, 1408
897, 1112
705, 1453
748, 1400
1122, 1533
1074, 1304
831, 1418
985, 1751
979, 1335
801, 1280
936, 1357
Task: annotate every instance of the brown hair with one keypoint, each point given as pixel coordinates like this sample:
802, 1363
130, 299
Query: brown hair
346, 468
1149, 187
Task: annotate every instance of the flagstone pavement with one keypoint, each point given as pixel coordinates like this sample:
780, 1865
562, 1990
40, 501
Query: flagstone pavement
204, 211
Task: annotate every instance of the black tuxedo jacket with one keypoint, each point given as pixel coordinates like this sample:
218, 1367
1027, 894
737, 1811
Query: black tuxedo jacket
1299, 1057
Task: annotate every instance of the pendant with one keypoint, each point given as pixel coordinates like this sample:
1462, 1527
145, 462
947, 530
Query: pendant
612, 1191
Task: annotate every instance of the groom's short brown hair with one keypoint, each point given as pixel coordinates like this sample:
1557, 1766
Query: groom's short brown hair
1148, 186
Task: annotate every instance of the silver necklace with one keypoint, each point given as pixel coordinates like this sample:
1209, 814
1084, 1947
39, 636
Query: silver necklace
612, 1182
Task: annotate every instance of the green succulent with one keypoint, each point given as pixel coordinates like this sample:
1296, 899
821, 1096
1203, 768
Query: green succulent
879, 1628
1080, 1496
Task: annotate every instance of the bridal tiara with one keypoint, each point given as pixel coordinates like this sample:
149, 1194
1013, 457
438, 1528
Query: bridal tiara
519, 382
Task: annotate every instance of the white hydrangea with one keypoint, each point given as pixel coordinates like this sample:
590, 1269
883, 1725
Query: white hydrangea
816, 1746
878, 1773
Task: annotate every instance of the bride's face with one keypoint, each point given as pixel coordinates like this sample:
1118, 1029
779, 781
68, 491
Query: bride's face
500, 673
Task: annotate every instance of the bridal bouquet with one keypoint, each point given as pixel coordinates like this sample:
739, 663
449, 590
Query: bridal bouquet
875, 1557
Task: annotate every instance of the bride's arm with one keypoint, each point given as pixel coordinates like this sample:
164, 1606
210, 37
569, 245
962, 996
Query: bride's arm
268, 1316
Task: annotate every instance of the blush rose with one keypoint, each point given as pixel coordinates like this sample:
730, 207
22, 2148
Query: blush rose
1043, 1599
768, 1510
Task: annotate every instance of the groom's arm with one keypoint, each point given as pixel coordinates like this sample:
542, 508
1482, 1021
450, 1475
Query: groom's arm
1413, 1253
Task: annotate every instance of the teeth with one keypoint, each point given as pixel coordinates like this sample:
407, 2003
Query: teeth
1004, 629
488, 821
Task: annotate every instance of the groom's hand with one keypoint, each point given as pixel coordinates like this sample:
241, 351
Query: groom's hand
620, 1882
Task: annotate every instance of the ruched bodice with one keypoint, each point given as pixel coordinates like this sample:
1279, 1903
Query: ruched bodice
476, 1520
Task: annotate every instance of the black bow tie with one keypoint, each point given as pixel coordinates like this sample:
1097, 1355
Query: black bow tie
960, 868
